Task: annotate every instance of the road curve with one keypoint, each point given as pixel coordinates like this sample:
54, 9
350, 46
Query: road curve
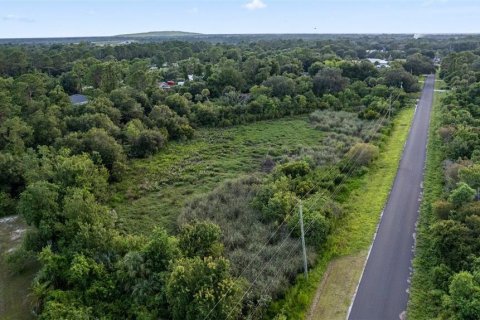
383, 290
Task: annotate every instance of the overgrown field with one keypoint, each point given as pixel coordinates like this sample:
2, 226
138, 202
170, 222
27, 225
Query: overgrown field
251, 210
154, 190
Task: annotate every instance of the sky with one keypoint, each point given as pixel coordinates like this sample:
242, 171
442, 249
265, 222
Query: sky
67, 18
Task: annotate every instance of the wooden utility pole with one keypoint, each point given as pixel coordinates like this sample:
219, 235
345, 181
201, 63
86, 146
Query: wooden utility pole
305, 267
390, 107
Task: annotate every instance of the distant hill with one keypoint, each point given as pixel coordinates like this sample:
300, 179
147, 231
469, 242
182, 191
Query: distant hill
153, 34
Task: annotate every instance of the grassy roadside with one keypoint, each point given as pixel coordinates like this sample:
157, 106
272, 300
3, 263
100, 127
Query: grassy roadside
352, 236
420, 305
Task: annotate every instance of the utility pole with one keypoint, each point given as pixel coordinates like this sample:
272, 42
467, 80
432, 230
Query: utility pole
305, 267
390, 107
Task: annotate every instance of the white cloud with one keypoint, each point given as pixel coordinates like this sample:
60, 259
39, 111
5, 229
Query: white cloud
255, 4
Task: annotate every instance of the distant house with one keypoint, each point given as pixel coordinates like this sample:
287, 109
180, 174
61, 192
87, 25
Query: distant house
164, 85
380, 63
78, 99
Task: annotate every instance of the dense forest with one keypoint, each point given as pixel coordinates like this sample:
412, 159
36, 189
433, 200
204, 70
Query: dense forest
233, 250
448, 283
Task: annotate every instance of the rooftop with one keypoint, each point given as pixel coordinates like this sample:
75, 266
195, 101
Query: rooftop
78, 99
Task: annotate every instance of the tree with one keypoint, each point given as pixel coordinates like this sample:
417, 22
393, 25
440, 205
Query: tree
39, 205
280, 86
205, 114
15, 135
418, 64
124, 101
329, 80
178, 104
471, 175
46, 126
98, 142
224, 76
147, 142
177, 127
138, 76
318, 229
463, 301
105, 75
398, 77
452, 242
461, 195
315, 68
358, 70
203, 287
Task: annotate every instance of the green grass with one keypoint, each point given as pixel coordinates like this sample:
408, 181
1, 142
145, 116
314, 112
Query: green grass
154, 190
354, 232
420, 304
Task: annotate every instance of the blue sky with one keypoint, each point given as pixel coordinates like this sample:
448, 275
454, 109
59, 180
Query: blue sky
60, 18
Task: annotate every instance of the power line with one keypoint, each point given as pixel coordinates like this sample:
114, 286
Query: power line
293, 228
349, 163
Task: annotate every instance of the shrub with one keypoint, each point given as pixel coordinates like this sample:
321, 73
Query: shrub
452, 241
280, 205
295, 169
463, 301
197, 286
461, 195
147, 143
316, 227
442, 209
200, 239
470, 209
363, 153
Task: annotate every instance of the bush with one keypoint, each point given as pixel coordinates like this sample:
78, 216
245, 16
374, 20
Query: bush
295, 169
316, 225
463, 301
461, 195
200, 239
363, 154
279, 206
442, 209
148, 142
197, 286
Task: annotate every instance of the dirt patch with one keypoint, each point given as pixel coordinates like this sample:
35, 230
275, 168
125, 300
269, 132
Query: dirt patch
336, 290
14, 287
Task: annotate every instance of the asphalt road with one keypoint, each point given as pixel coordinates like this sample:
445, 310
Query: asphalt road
383, 290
